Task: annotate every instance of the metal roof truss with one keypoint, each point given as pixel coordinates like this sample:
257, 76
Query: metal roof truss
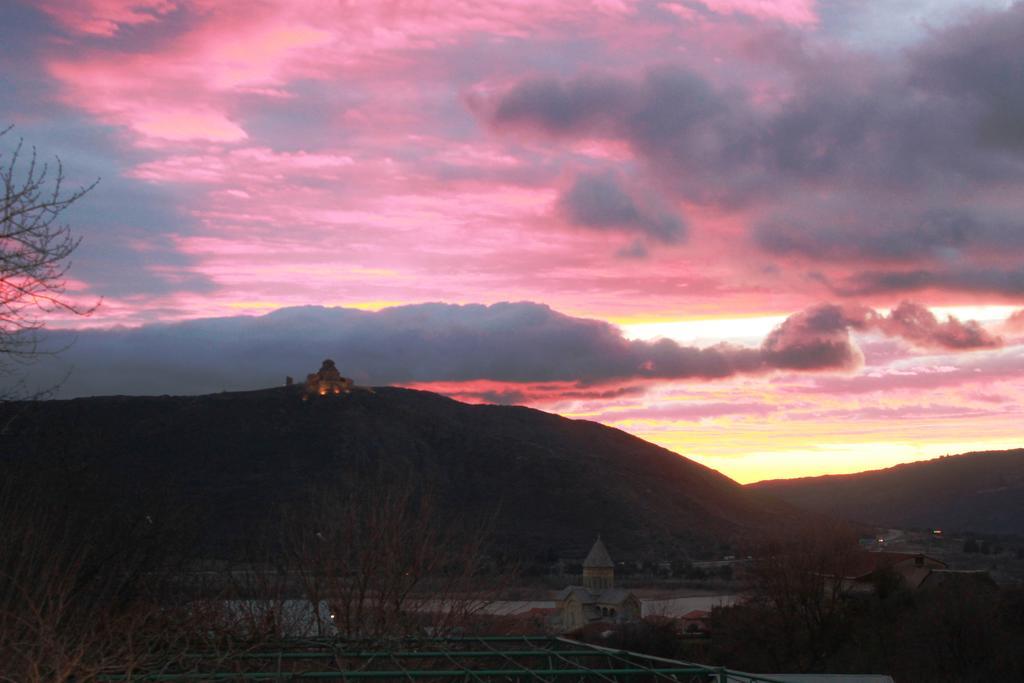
485, 658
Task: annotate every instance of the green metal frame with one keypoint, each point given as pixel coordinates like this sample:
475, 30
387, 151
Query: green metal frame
484, 658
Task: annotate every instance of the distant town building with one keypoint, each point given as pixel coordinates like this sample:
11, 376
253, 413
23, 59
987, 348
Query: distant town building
864, 573
597, 600
326, 381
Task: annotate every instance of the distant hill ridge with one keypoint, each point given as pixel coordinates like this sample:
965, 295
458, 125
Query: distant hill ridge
981, 492
231, 460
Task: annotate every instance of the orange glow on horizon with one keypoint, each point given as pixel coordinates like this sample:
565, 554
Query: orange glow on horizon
772, 453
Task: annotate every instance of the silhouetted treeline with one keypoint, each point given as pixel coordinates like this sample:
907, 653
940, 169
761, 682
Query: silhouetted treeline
93, 586
958, 631
800, 617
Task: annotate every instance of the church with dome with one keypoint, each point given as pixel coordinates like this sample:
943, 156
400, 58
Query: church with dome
597, 600
327, 381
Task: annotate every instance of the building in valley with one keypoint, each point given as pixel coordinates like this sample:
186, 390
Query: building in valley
597, 600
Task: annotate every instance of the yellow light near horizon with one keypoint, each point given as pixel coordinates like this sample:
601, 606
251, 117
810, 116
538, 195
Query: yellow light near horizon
266, 306
838, 458
982, 313
703, 328
369, 305
721, 328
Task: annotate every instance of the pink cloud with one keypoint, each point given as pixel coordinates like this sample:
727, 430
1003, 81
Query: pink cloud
240, 165
223, 49
687, 411
392, 158
185, 124
539, 394
180, 96
981, 371
797, 12
1015, 323
105, 17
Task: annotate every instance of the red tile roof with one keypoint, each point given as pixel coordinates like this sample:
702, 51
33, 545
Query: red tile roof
867, 563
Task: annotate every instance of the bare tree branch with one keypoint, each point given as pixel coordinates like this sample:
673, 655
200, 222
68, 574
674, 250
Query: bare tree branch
377, 552
35, 252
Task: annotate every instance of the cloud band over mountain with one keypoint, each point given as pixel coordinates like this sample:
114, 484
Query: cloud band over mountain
505, 342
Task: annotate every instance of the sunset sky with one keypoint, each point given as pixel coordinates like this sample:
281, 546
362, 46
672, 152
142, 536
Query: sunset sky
779, 237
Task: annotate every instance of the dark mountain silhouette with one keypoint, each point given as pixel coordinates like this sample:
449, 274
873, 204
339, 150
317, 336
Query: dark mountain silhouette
225, 464
981, 492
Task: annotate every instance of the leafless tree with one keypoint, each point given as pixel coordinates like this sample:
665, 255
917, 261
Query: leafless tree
382, 560
58, 595
82, 587
35, 250
795, 606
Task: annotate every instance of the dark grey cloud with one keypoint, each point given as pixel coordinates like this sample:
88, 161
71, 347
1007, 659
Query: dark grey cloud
599, 201
853, 120
909, 167
977, 279
671, 116
886, 234
588, 104
979, 62
505, 342
819, 336
919, 326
